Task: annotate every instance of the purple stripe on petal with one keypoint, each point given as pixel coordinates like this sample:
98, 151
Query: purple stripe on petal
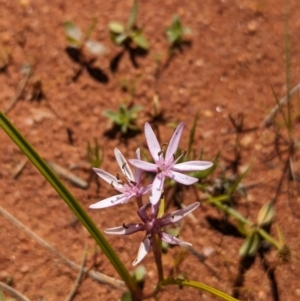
111, 201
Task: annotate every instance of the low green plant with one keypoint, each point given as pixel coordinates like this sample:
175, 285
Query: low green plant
128, 34
176, 32
79, 40
125, 117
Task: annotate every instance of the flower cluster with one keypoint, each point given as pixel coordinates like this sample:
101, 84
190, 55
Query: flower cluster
165, 166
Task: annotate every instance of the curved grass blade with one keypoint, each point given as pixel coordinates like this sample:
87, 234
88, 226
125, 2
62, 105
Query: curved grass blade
198, 285
65, 194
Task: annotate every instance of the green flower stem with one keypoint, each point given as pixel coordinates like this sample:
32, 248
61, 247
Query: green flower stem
156, 247
74, 205
198, 285
239, 217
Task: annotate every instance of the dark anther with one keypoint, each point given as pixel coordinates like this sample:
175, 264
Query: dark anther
159, 153
133, 183
184, 152
174, 157
124, 164
125, 226
118, 176
121, 182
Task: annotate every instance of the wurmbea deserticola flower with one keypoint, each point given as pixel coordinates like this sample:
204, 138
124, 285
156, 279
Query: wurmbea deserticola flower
153, 225
128, 190
165, 165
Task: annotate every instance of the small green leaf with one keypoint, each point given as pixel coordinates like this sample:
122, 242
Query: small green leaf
119, 39
250, 245
139, 273
74, 34
133, 15
266, 215
140, 40
116, 27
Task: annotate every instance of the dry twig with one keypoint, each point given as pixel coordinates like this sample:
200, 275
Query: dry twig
78, 278
27, 72
102, 278
13, 292
268, 120
68, 175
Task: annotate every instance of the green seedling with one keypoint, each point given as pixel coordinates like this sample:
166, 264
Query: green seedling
125, 117
79, 40
95, 154
176, 32
127, 34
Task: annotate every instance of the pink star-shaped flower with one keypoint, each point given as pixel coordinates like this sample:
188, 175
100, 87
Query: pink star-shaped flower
132, 188
165, 164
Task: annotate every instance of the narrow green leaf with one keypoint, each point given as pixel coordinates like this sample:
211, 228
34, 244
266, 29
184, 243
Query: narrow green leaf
197, 285
192, 136
133, 15
232, 188
90, 29
70, 200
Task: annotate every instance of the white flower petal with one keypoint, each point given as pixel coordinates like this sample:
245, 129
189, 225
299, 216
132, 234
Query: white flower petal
138, 171
157, 189
107, 177
111, 201
177, 215
143, 165
170, 239
173, 145
144, 248
128, 229
123, 165
182, 178
152, 142
192, 166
